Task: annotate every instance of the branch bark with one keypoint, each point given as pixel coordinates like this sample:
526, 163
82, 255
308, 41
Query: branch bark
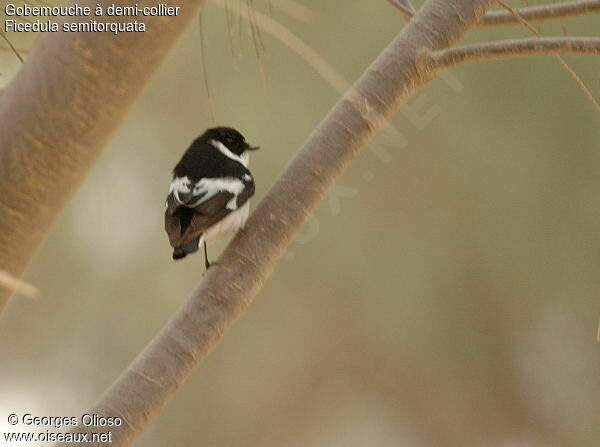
531, 14
513, 48
230, 286
58, 112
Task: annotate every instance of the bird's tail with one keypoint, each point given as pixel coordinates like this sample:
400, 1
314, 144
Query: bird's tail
187, 249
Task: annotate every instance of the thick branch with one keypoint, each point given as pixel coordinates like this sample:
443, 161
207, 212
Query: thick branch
229, 287
533, 13
513, 48
542, 12
57, 113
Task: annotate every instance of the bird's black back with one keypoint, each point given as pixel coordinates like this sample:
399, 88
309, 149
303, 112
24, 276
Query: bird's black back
203, 160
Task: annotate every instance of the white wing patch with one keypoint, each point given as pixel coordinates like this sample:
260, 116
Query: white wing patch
207, 188
232, 204
179, 185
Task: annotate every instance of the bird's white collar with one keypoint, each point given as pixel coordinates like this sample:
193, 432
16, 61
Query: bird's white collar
243, 159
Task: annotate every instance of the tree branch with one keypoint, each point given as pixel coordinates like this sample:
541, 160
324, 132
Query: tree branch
542, 12
57, 113
505, 49
230, 286
533, 13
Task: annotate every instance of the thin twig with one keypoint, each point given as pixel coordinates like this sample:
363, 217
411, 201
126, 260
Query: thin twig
560, 60
518, 17
12, 47
256, 36
8, 49
532, 13
211, 105
229, 23
514, 48
15, 284
292, 41
542, 12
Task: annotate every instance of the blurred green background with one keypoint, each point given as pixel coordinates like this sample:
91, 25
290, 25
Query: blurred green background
445, 293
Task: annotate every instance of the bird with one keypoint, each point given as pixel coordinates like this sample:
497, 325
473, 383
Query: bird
210, 191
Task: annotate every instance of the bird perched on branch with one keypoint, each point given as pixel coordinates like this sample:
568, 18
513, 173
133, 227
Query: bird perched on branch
210, 192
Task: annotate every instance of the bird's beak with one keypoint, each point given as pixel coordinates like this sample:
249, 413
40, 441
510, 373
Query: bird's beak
249, 147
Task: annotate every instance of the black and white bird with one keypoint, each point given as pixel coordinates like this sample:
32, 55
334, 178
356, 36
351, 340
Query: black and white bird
210, 192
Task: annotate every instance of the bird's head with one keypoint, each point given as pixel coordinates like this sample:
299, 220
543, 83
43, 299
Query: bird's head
231, 139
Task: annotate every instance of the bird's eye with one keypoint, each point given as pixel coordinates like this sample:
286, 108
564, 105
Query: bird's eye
230, 140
